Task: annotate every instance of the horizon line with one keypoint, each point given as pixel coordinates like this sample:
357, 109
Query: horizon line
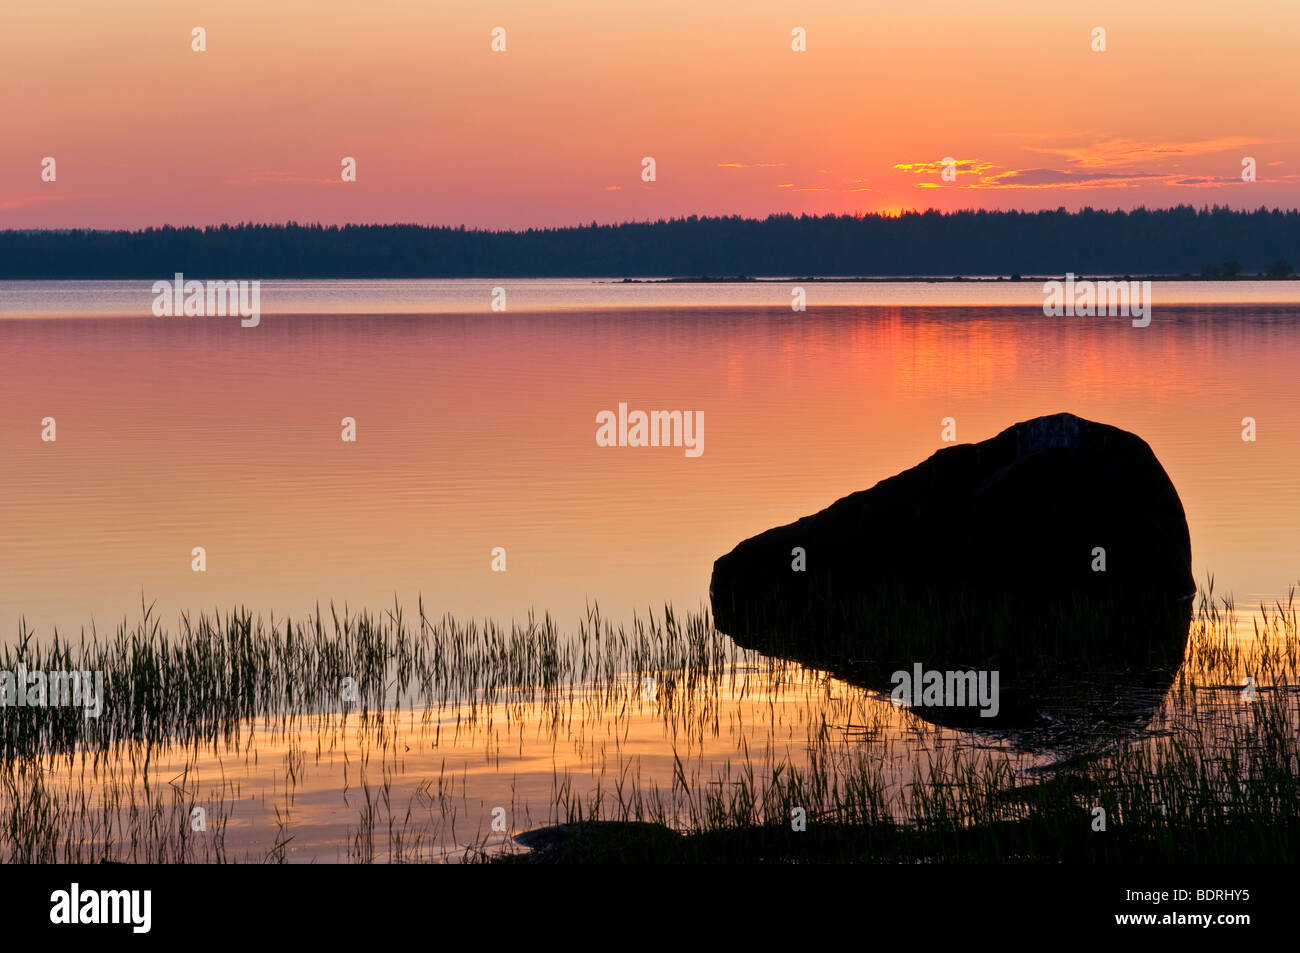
593, 224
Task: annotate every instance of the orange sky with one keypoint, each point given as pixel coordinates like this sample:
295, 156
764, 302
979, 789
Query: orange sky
146, 131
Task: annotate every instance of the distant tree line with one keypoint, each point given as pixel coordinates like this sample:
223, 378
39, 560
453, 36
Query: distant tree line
1175, 241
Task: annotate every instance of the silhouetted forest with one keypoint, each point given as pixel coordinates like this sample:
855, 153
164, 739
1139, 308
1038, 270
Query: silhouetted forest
1176, 241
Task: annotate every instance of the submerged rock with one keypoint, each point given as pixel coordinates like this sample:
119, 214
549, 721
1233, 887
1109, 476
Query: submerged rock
598, 842
1059, 545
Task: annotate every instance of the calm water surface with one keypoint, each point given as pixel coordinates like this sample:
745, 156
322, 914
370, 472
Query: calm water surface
477, 430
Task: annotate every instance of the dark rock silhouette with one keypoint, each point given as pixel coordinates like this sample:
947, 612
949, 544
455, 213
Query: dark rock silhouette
986, 556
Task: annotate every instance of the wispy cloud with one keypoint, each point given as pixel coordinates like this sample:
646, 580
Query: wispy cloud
281, 178
1063, 179
1108, 164
961, 166
26, 201
855, 185
1126, 153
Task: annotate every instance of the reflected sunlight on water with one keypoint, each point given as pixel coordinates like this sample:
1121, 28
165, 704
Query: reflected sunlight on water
477, 431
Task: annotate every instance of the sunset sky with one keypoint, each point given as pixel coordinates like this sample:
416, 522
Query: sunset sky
145, 131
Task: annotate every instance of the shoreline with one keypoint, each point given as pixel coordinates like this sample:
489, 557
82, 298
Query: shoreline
931, 279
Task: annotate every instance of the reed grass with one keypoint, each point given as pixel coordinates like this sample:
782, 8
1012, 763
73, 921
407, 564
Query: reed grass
1213, 776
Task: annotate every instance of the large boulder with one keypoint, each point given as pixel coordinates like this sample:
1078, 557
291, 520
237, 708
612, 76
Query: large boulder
986, 554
